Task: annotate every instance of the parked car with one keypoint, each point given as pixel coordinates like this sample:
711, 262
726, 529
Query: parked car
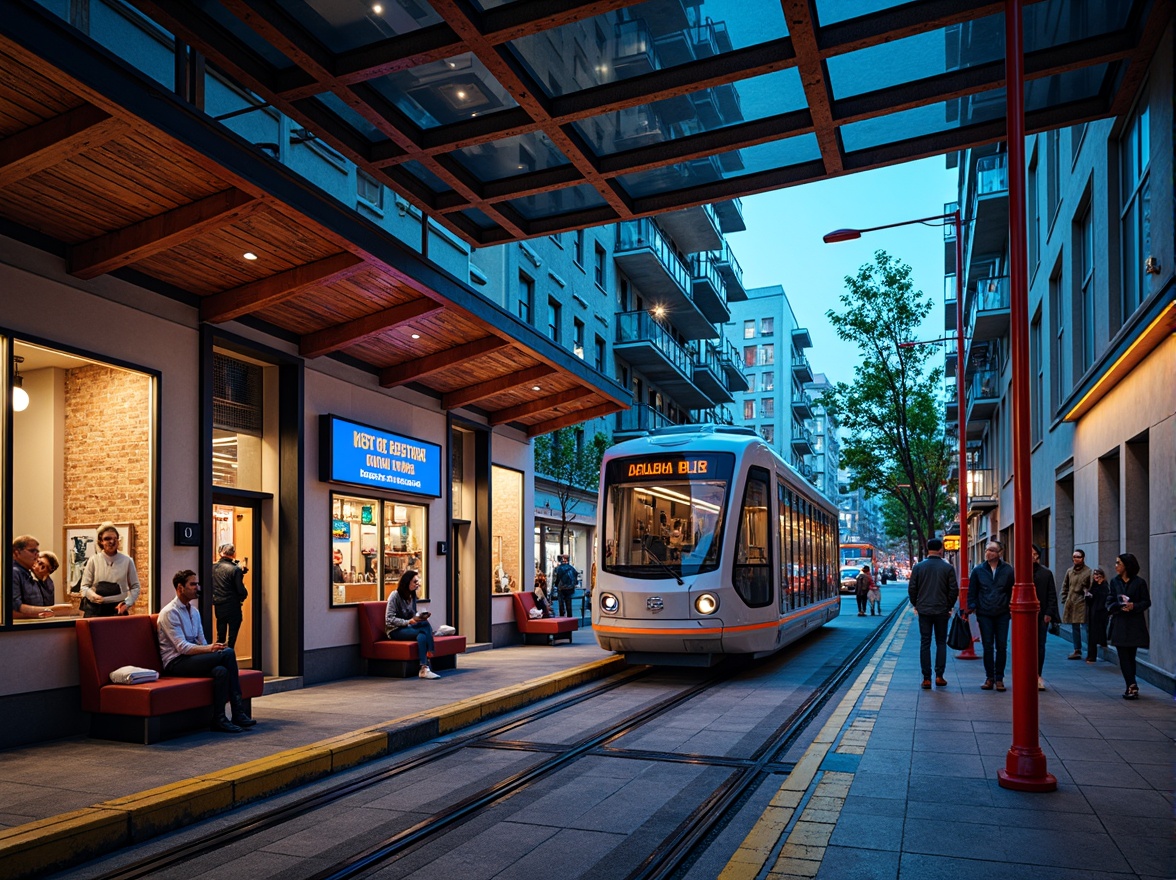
849, 579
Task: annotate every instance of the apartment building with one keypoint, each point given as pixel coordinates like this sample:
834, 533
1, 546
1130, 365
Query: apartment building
826, 456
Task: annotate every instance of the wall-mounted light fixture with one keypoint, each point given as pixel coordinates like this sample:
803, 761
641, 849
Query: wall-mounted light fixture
20, 397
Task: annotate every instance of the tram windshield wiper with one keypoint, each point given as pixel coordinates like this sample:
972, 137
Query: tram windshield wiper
660, 563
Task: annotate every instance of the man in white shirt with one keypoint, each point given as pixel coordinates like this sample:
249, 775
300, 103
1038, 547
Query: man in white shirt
185, 653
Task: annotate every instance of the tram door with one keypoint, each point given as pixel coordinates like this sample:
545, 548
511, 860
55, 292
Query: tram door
239, 524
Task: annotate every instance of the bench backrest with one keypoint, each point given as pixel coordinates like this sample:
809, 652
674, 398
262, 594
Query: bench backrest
108, 643
524, 601
371, 624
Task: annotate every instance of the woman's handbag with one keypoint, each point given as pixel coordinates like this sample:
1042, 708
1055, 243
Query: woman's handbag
959, 634
107, 588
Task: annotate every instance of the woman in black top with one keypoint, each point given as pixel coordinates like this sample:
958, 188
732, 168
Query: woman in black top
1096, 614
1128, 600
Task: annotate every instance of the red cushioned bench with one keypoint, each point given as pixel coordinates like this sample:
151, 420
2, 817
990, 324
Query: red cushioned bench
399, 659
545, 629
150, 711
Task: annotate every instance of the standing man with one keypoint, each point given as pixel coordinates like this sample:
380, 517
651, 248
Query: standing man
228, 594
933, 590
186, 653
862, 587
31, 599
990, 590
1075, 589
564, 579
1047, 598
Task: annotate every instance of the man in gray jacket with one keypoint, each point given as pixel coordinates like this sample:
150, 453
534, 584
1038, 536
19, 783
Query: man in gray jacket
933, 590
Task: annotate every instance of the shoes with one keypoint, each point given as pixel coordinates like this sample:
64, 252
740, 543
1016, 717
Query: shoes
426, 672
926, 684
1000, 684
1075, 656
1132, 692
224, 725
861, 614
987, 686
1091, 661
1040, 683
241, 719
940, 681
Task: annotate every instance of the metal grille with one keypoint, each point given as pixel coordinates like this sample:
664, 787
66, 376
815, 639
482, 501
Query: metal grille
236, 395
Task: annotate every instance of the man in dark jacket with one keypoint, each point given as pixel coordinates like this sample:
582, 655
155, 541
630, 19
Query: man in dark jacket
228, 595
990, 590
1047, 598
564, 580
933, 590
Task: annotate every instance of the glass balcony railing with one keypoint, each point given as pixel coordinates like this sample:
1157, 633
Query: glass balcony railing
985, 385
643, 234
703, 268
719, 415
641, 417
949, 228
641, 327
981, 485
992, 295
992, 175
727, 263
707, 355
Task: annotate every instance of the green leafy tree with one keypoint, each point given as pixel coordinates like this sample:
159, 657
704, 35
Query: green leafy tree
573, 474
891, 415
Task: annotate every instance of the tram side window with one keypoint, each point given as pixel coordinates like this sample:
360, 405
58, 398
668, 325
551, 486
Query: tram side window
752, 571
782, 541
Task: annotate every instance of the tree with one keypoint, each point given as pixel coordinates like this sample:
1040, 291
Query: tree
892, 414
573, 473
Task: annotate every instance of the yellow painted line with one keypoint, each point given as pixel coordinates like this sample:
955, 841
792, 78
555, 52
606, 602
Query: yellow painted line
804, 850
36, 848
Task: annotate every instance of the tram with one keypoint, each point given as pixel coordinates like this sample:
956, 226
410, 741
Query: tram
711, 545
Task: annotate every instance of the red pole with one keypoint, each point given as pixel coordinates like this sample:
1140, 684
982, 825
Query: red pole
1025, 768
969, 653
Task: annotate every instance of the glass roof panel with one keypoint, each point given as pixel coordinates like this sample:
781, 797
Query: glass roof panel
245, 34
492, 4
343, 25
1057, 22
479, 219
556, 202
445, 91
644, 38
427, 177
351, 117
705, 110
511, 156
1062, 88
723, 166
830, 11
922, 121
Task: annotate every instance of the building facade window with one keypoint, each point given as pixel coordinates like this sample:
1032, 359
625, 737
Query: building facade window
368, 189
751, 382
767, 354
768, 407
373, 542
578, 338
598, 358
506, 546
1086, 280
768, 432
578, 248
1135, 214
600, 261
1032, 195
553, 318
1061, 359
1037, 378
749, 329
526, 303
767, 326
769, 382
1053, 173
749, 355
749, 409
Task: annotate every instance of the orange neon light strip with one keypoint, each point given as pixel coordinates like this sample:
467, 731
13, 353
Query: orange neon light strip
621, 630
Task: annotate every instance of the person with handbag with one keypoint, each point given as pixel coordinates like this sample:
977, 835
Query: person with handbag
933, 589
1047, 598
1096, 613
110, 583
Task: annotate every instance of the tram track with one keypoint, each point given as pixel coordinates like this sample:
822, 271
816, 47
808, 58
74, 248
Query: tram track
668, 857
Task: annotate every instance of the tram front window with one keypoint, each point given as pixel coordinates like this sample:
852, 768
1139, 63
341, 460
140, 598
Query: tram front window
665, 517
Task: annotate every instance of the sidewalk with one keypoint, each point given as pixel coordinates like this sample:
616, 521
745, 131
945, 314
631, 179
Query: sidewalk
902, 782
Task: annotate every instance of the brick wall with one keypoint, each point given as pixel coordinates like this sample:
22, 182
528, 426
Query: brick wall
108, 458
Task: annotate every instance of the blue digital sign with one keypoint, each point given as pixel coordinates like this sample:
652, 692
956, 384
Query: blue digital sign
366, 456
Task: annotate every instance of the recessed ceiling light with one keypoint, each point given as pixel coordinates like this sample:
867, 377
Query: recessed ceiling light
416, 336
377, 9
249, 255
535, 387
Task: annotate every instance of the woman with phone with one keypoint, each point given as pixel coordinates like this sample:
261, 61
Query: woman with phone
1128, 600
403, 623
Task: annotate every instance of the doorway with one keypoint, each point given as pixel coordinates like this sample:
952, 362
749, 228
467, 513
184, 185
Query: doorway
237, 521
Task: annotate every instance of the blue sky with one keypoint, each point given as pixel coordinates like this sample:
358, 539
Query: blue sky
782, 245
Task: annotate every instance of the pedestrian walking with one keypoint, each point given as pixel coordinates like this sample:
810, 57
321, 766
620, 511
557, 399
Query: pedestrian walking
1075, 586
990, 590
1129, 600
564, 580
933, 590
1047, 598
1096, 614
862, 587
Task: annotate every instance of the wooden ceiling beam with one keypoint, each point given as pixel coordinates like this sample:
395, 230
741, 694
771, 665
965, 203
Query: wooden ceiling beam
348, 333
490, 387
803, 30
56, 140
511, 413
159, 233
573, 418
230, 304
410, 371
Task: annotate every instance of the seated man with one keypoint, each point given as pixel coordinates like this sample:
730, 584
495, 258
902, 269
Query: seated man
31, 598
185, 652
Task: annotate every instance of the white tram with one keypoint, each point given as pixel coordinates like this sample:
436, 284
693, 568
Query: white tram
711, 544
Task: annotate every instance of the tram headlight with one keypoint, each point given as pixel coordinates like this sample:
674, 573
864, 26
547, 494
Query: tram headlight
706, 603
609, 603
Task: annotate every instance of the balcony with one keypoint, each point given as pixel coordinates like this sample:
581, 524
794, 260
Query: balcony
802, 406
802, 369
949, 302
990, 210
648, 346
732, 274
719, 415
983, 494
988, 313
708, 289
730, 216
633, 55
644, 255
641, 418
802, 440
983, 398
949, 241
693, 230
953, 401
732, 366
708, 374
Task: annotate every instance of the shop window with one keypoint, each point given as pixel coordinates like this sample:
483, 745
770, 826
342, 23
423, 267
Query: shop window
83, 454
237, 423
373, 542
506, 487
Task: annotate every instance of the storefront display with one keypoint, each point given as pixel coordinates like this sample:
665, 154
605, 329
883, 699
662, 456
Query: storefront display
373, 542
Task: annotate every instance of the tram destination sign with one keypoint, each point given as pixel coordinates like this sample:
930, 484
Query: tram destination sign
681, 466
361, 455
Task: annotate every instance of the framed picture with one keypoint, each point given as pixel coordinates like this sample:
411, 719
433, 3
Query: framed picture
81, 542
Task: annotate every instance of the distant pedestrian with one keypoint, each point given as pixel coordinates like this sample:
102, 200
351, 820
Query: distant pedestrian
1047, 598
1128, 601
1075, 586
1096, 614
933, 590
862, 587
228, 595
874, 598
990, 590
564, 580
